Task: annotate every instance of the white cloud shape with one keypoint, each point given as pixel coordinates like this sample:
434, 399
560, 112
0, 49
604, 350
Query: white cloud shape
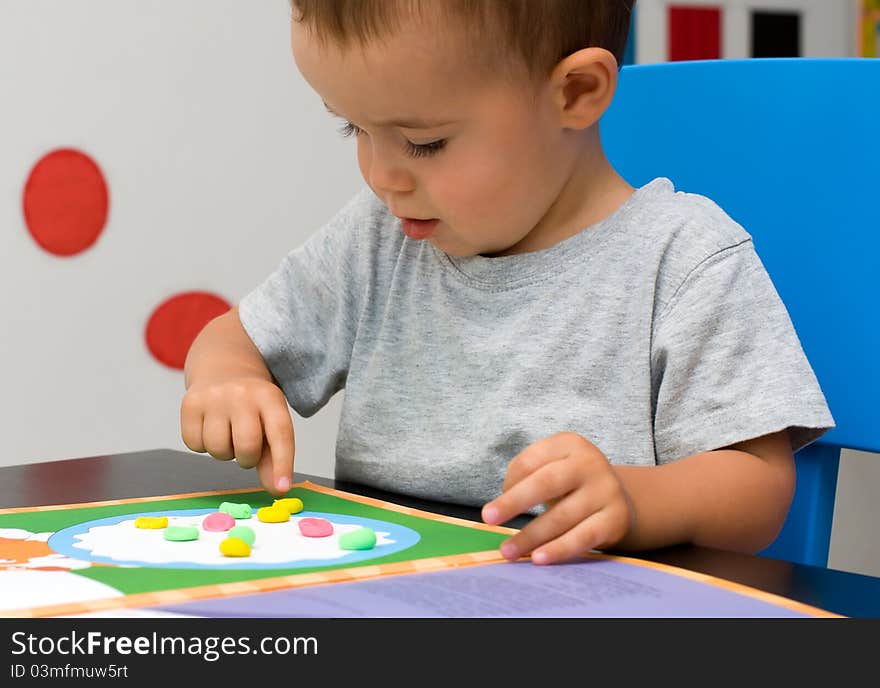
276, 543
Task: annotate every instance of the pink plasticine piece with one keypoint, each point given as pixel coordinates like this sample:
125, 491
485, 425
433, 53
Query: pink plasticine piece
315, 527
218, 522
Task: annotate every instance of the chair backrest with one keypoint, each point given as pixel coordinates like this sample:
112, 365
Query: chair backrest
790, 148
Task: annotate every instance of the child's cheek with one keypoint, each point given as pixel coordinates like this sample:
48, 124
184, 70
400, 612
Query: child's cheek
363, 157
477, 183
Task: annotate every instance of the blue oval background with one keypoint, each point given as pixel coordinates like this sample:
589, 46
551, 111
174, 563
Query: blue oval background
64, 541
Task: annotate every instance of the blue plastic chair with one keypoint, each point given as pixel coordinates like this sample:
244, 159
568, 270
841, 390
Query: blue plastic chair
790, 148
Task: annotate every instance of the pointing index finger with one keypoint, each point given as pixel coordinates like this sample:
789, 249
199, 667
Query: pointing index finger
278, 428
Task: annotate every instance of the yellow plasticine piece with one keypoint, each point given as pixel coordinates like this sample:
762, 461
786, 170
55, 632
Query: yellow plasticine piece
151, 522
233, 547
293, 505
273, 514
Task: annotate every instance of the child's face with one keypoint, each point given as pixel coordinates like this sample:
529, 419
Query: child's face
488, 159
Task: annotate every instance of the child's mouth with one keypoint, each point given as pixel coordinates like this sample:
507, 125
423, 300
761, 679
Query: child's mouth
418, 229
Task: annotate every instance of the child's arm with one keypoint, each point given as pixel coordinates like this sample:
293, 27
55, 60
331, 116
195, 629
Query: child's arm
733, 498
233, 408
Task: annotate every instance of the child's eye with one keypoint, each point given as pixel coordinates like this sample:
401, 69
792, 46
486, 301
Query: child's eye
420, 150
413, 149
349, 129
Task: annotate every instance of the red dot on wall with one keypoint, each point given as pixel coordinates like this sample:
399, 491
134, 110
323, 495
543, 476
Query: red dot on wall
174, 324
65, 202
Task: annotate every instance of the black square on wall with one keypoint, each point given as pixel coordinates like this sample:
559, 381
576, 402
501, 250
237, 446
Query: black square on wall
776, 34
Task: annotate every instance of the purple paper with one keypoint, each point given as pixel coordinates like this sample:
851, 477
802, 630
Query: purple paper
591, 588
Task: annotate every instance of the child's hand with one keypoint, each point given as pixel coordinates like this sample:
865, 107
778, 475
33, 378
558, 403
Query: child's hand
245, 418
587, 505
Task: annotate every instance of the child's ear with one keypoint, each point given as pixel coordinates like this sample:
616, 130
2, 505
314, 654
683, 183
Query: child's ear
583, 85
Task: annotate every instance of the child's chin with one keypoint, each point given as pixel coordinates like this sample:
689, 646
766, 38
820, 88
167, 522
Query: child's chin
454, 249
456, 253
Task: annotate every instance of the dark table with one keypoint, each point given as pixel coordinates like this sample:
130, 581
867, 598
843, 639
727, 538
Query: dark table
165, 471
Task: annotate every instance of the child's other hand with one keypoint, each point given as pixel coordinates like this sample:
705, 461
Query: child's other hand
245, 418
587, 505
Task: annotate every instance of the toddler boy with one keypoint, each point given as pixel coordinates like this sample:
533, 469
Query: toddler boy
514, 325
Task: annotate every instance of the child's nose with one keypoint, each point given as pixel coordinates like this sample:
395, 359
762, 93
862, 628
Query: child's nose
384, 173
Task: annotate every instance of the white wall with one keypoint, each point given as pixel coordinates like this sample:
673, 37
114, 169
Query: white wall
219, 159
854, 542
828, 26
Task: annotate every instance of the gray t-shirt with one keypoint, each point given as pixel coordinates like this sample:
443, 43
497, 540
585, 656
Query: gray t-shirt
655, 334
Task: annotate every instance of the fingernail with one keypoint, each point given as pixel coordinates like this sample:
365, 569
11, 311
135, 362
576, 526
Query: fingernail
490, 514
509, 550
283, 483
540, 557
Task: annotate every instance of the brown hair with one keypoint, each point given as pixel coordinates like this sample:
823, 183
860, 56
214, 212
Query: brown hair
539, 32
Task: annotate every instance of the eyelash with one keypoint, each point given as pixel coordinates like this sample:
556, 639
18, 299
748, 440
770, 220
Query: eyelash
412, 149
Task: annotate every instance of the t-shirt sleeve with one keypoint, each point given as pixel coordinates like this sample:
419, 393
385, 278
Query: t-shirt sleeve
303, 317
727, 365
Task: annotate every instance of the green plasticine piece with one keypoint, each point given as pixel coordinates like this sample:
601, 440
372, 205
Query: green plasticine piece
243, 533
362, 538
181, 533
237, 511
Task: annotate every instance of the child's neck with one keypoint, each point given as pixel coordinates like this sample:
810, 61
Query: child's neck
593, 191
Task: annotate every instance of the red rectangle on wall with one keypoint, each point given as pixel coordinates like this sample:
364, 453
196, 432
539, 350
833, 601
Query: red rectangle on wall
694, 33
